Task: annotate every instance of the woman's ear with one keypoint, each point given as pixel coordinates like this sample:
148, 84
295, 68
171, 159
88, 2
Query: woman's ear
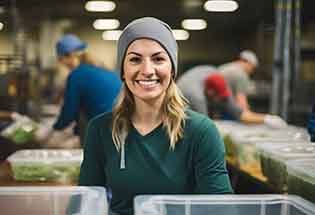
173, 75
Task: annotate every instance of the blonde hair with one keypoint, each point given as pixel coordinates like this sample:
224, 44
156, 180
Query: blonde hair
173, 113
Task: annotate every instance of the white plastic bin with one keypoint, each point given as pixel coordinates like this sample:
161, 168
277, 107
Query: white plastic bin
222, 205
275, 156
46, 165
53, 200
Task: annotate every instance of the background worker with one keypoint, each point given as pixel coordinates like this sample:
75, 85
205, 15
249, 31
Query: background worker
220, 101
207, 92
237, 75
191, 84
90, 89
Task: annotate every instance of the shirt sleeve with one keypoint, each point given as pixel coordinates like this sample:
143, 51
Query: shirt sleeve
232, 108
71, 104
92, 171
242, 83
211, 175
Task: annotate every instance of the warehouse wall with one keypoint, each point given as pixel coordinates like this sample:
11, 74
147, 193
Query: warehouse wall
6, 46
104, 50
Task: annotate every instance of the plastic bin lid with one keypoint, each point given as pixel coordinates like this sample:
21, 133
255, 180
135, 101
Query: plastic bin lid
283, 152
264, 133
221, 204
225, 126
303, 168
46, 156
53, 200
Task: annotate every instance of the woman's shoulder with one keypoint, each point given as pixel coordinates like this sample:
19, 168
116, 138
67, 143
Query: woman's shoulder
196, 121
201, 130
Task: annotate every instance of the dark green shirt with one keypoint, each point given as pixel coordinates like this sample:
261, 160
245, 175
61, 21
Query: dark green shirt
196, 166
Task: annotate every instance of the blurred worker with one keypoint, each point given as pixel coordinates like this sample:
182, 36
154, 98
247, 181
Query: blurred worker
191, 85
237, 74
207, 92
220, 101
311, 124
90, 89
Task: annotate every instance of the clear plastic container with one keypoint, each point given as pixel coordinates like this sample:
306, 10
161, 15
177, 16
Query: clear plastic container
222, 205
226, 126
241, 140
53, 200
46, 165
230, 149
274, 157
301, 178
21, 131
262, 133
245, 141
246, 155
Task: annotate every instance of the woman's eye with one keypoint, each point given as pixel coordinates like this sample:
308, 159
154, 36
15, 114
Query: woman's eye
159, 59
135, 60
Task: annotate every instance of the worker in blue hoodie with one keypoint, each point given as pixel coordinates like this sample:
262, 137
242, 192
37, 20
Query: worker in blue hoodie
311, 124
90, 89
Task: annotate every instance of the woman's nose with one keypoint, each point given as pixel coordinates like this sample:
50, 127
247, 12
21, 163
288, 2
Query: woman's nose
147, 67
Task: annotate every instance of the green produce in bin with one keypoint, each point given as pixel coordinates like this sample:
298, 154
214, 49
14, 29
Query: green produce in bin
274, 159
46, 165
230, 148
21, 131
248, 157
275, 171
301, 178
22, 136
36, 172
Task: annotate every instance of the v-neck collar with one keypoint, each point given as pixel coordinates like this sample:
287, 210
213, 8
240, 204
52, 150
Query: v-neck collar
149, 134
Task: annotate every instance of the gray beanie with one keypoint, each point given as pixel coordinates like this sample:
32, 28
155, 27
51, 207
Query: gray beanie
150, 28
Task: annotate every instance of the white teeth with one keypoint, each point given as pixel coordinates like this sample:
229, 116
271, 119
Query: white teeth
148, 82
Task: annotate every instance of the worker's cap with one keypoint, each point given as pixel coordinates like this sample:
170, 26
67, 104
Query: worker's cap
69, 43
250, 57
217, 83
147, 28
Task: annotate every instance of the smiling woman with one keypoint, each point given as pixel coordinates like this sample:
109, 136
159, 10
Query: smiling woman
148, 70
152, 143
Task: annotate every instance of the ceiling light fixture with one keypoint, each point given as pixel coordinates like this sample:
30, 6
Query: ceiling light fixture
194, 24
100, 6
220, 5
180, 34
111, 35
106, 24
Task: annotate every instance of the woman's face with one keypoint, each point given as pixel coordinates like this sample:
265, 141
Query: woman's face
147, 70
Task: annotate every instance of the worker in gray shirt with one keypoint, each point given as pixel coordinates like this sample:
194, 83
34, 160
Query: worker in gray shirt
220, 103
237, 74
192, 87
